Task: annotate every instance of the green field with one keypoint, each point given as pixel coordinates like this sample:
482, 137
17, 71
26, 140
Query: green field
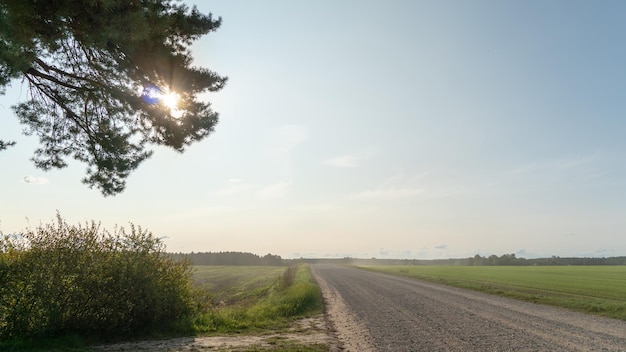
245, 298
236, 285
591, 289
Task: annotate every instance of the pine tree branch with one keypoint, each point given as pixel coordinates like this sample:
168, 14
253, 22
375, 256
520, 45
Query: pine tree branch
73, 116
49, 68
34, 72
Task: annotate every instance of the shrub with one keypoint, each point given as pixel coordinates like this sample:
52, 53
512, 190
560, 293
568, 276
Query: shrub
62, 279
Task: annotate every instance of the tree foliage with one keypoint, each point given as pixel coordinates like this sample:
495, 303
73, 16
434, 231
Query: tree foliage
63, 279
87, 64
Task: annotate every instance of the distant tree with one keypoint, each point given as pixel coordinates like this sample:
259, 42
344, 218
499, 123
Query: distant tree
271, 259
507, 259
103, 76
477, 260
492, 260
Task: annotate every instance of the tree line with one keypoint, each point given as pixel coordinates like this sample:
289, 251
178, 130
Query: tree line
230, 258
478, 260
511, 259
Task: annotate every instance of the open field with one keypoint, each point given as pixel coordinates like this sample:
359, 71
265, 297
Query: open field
249, 298
230, 285
591, 289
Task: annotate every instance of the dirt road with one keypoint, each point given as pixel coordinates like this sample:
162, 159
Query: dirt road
378, 312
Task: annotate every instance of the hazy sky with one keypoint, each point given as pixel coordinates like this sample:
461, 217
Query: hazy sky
412, 129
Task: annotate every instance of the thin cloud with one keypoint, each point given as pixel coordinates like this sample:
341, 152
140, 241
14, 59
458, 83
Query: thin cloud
35, 180
343, 161
566, 164
275, 191
282, 143
390, 193
286, 137
349, 160
397, 186
232, 190
441, 246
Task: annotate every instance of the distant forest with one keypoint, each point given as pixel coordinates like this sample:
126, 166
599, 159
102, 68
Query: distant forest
229, 258
243, 259
505, 259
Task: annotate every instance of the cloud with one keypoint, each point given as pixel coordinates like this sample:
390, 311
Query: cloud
282, 143
397, 186
389, 193
350, 160
565, 165
35, 180
275, 191
286, 137
231, 190
441, 246
343, 161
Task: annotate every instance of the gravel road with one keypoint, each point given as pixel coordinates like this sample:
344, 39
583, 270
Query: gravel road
379, 312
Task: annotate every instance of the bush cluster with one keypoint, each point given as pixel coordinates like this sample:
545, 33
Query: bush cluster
61, 279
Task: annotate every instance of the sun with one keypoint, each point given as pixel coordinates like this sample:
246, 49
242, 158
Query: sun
170, 100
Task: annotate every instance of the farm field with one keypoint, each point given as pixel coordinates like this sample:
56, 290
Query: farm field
255, 297
231, 285
598, 290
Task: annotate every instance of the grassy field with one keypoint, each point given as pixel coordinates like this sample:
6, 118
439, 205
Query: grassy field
250, 298
591, 289
236, 285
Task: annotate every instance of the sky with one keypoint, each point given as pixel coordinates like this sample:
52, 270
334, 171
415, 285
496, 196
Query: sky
388, 129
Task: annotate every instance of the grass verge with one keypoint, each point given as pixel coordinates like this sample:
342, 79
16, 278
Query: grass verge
599, 290
287, 346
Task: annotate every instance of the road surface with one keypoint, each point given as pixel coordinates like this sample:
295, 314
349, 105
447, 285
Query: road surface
379, 312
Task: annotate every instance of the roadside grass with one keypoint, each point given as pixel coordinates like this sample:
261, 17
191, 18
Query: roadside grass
68, 343
599, 290
279, 345
249, 299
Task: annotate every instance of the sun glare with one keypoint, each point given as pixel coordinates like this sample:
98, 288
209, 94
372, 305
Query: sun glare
170, 100
153, 95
